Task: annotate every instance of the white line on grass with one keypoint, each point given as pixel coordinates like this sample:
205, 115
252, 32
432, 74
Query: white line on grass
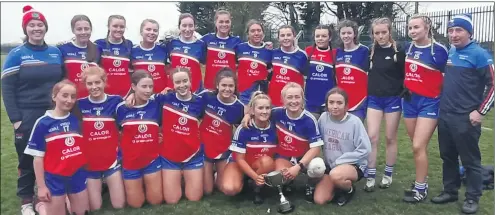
485, 128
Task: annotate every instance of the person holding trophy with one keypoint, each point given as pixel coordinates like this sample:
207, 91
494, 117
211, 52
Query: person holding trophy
253, 149
346, 148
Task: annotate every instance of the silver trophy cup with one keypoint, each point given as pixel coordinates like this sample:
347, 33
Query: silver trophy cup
276, 179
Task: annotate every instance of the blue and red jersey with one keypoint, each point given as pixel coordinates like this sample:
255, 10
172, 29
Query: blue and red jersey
100, 131
60, 142
115, 60
188, 55
217, 125
287, 67
180, 126
352, 75
140, 126
254, 142
424, 69
320, 78
295, 135
254, 63
75, 61
220, 53
152, 60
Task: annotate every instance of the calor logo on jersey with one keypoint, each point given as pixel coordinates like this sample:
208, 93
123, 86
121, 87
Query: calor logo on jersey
319, 68
151, 68
184, 60
69, 141
347, 71
117, 63
99, 125
84, 66
142, 128
283, 71
216, 123
182, 120
413, 67
221, 55
254, 65
288, 139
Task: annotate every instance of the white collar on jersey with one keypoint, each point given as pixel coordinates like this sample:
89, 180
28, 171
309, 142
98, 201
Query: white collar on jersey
145, 49
262, 129
50, 114
98, 102
298, 117
219, 100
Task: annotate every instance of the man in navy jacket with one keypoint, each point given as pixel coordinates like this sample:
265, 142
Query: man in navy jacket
467, 96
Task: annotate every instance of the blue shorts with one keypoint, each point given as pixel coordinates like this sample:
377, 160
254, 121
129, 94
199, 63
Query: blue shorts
315, 109
153, 167
359, 113
61, 185
420, 106
386, 104
104, 173
196, 162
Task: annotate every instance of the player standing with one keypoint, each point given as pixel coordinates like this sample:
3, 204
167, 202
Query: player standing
254, 62
79, 53
321, 74
352, 68
57, 146
115, 53
425, 63
223, 112
188, 52
149, 56
220, 48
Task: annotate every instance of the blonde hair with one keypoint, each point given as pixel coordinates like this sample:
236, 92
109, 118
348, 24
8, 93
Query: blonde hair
94, 70
384, 21
218, 13
150, 21
257, 95
429, 26
293, 85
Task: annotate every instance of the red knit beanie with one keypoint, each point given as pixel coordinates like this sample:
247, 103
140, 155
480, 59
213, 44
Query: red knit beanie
30, 14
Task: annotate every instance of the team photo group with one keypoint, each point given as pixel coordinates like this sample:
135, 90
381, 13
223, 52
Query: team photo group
151, 121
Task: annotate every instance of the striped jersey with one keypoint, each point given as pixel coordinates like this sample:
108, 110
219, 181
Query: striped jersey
254, 62
153, 61
189, 55
115, 60
320, 75
254, 142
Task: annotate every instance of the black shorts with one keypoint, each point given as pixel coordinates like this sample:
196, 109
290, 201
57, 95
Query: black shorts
358, 170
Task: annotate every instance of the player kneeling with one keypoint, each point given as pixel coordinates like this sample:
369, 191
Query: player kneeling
346, 150
253, 147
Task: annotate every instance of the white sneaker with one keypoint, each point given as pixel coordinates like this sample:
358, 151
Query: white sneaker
27, 209
370, 185
386, 182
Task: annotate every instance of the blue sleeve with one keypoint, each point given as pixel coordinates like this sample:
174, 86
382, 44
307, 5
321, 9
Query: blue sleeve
36, 144
238, 143
10, 81
313, 132
204, 49
441, 56
486, 69
120, 114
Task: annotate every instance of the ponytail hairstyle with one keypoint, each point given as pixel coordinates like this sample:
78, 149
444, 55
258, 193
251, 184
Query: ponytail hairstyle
348, 23
388, 22
110, 18
91, 55
293, 32
255, 96
217, 14
226, 72
429, 25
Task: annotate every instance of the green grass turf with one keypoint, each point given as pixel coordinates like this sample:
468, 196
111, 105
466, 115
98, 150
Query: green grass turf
379, 202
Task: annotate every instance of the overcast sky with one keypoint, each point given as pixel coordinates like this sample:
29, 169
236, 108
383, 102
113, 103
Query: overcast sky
59, 14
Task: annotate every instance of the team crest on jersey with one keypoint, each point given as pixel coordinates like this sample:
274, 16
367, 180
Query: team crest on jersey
117, 63
413, 67
184, 60
221, 55
151, 67
142, 128
99, 125
84, 66
254, 65
288, 139
283, 71
69, 141
347, 71
319, 68
182, 120
216, 123
116, 52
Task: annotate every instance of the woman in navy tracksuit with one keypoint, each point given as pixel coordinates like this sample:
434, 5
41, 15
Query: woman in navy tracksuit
29, 73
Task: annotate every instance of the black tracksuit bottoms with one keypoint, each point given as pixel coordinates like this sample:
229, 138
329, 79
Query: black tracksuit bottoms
457, 137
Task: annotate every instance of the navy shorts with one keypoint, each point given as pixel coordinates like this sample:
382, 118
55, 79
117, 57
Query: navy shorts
61, 185
359, 170
104, 173
315, 109
386, 104
153, 167
420, 106
196, 162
